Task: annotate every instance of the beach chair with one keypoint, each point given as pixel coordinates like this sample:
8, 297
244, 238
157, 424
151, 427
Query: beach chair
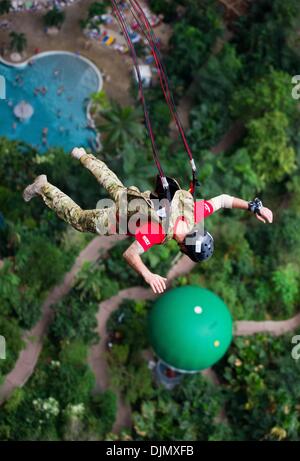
110, 41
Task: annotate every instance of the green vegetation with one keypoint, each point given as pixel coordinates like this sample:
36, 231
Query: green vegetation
258, 389
98, 8
189, 412
123, 134
241, 80
18, 41
266, 36
37, 249
58, 401
5, 6
262, 389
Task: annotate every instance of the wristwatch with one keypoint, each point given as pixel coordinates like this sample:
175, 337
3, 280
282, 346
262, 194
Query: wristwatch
255, 206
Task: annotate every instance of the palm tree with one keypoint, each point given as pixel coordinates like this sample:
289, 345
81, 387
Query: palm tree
5, 6
121, 126
124, 140
18, 41
54, 18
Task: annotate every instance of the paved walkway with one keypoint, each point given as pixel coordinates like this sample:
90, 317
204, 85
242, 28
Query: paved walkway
28, 358
111, 63
274, 327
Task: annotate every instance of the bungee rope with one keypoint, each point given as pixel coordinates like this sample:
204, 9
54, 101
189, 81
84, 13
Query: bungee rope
151, 39
165, 84
124, 27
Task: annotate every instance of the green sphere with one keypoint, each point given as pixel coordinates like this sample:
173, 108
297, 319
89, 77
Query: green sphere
190, 328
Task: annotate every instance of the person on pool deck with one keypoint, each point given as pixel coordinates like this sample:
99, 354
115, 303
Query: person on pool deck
146, 222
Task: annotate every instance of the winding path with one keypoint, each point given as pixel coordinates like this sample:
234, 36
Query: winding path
33, 339
274, 327
212, 376
28, 358
97, 357
233, 135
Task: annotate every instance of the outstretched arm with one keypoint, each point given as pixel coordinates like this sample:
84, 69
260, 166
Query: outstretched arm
133, 257
226, 201
265, 215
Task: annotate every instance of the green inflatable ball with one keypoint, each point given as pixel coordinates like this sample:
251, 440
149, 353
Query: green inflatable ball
190, 328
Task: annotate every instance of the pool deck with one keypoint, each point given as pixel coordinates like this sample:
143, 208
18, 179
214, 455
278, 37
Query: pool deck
71, 38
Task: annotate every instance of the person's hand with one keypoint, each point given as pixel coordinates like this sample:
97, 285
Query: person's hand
265, 215
156, 282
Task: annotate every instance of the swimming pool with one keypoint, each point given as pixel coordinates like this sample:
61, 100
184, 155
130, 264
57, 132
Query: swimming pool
57, 85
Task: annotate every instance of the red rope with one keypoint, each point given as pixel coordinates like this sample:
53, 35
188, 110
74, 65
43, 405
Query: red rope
124, 28
152, 39
147, 31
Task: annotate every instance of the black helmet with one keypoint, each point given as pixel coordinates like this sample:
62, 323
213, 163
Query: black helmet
198, 247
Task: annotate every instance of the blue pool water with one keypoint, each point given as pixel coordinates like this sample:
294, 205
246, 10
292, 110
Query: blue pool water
60, 113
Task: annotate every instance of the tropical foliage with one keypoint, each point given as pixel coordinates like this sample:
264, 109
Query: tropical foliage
237, 82
18, 41
5, 6
54, 18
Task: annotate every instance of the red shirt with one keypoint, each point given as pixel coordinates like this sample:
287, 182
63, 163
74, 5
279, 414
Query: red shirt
152, 233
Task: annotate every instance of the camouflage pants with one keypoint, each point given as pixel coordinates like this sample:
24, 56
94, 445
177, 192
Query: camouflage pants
100, 220
70, 212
